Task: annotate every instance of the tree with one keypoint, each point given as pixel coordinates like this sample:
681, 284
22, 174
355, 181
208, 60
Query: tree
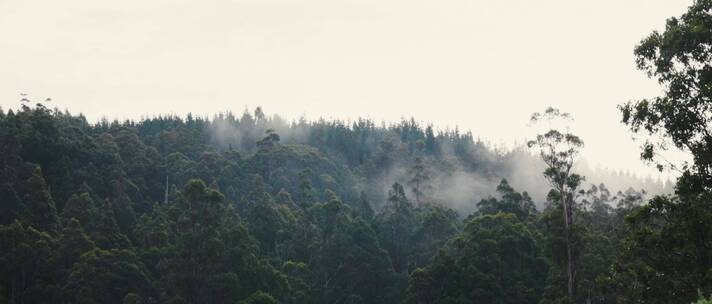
383, 161
670, 239
396, 225
268, 142
496, 259
24, 263
430, 141
519, 204
306, 188
364, 207
349, 264
211, 257
259, 297
42, 211
72, 244
268, 221
437, 225
266, 148
558, 150
106, 233
703, 300
668, 245
679, 58
107, 276
420, 180
132, 298
82, 208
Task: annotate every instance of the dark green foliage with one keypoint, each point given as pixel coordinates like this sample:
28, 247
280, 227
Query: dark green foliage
667, 255
397, 224
597, 237
558, 150
132, 298
211, 258
71, 245
259, 297
82, 208
42, 212
679, 58
437, 225
255, 210
105, 232
420, 180
349, 263
703, 300
107, 276
24, 264
519, 204
496, 259
268, 221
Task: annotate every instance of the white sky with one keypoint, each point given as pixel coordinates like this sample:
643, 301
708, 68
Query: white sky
481, 65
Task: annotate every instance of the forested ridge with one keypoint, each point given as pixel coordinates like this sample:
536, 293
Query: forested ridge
255, 209
166, 210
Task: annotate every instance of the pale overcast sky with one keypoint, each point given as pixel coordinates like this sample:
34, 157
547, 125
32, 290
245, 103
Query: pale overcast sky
481, 65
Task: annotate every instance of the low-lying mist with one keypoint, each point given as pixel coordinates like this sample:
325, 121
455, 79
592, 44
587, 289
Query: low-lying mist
461, 170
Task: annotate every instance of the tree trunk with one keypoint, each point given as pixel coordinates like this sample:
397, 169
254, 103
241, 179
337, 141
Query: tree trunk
567, 240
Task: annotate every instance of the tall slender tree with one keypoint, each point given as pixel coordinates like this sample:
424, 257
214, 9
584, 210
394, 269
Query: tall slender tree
559, 150
419, 181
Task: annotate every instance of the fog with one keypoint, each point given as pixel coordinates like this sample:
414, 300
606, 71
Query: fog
455, 182
481, 65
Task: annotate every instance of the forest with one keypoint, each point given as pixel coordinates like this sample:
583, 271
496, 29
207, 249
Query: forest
253, 208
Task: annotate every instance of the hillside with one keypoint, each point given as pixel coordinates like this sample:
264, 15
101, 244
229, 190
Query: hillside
320, 212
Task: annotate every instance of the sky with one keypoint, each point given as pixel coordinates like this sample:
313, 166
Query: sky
483, 66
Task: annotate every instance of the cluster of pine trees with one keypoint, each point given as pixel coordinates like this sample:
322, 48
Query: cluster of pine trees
227, 210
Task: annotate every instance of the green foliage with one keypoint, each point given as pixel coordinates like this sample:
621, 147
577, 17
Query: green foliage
668, 245
71, 245
559, 150
254, 210
665, 257
42, 212
496, 259
259, 297
211, 257
420, 181
82, 208
350, 262
679, 58
519, 204
703, 300
107, 276
132, 298
396, 225
24, 263
437, 225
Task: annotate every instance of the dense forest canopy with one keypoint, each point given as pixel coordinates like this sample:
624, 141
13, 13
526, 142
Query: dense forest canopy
256, 209
321, 211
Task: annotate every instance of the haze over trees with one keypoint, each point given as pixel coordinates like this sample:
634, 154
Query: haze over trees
254, 209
